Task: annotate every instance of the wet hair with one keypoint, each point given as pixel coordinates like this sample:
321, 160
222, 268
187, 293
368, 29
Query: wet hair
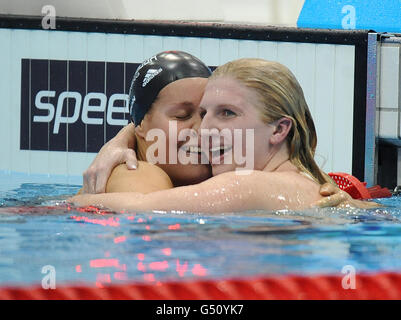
281, 96
157, 72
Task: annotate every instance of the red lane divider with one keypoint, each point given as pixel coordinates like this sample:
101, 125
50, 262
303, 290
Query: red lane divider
357, 189
380, 286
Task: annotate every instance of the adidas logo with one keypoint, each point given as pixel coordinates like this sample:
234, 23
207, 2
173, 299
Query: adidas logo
150, 74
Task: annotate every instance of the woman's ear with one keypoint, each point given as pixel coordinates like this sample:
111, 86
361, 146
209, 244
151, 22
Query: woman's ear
282, 128
140, 130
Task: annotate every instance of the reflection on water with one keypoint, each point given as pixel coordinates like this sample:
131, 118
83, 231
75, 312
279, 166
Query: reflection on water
99, 247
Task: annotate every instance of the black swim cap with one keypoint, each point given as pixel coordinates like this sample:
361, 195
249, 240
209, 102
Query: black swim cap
157, 72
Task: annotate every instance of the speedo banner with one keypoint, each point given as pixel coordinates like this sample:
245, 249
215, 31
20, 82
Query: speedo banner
73, 106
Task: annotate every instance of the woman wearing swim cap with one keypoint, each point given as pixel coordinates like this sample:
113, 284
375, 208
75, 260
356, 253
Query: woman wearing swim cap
165, 89
246, 94
173, 93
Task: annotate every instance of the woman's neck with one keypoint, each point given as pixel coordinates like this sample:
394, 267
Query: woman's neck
280, 161
141, 148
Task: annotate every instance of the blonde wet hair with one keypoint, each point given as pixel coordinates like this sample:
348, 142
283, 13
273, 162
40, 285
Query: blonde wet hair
281, 96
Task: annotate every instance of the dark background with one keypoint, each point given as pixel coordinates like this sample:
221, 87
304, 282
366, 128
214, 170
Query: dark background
79, 76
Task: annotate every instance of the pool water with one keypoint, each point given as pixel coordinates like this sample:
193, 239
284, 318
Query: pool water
100, 248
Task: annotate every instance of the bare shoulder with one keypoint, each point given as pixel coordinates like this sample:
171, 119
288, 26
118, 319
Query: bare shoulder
273, 190
291, 189
145, 179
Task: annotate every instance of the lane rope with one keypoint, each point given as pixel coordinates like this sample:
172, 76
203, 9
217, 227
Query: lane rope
379, 286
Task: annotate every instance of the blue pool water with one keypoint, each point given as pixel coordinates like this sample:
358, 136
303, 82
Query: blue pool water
150, 247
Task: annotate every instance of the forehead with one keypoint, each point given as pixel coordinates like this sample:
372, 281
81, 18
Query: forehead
184, 91
223, 90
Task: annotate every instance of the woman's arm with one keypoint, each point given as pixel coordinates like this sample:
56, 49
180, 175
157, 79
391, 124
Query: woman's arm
118, 150
227, 192
335, 197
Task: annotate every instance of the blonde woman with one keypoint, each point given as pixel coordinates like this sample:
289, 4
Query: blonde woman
254, 94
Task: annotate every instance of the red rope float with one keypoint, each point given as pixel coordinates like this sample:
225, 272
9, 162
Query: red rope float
358, 189
381, 286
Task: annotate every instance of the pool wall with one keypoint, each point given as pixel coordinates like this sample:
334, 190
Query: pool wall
51, 122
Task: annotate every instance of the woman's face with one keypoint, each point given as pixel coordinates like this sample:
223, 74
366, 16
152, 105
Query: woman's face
228, 104
177, 106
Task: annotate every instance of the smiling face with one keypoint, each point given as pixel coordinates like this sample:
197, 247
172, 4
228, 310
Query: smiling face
265, 96
229, 104
177, 104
